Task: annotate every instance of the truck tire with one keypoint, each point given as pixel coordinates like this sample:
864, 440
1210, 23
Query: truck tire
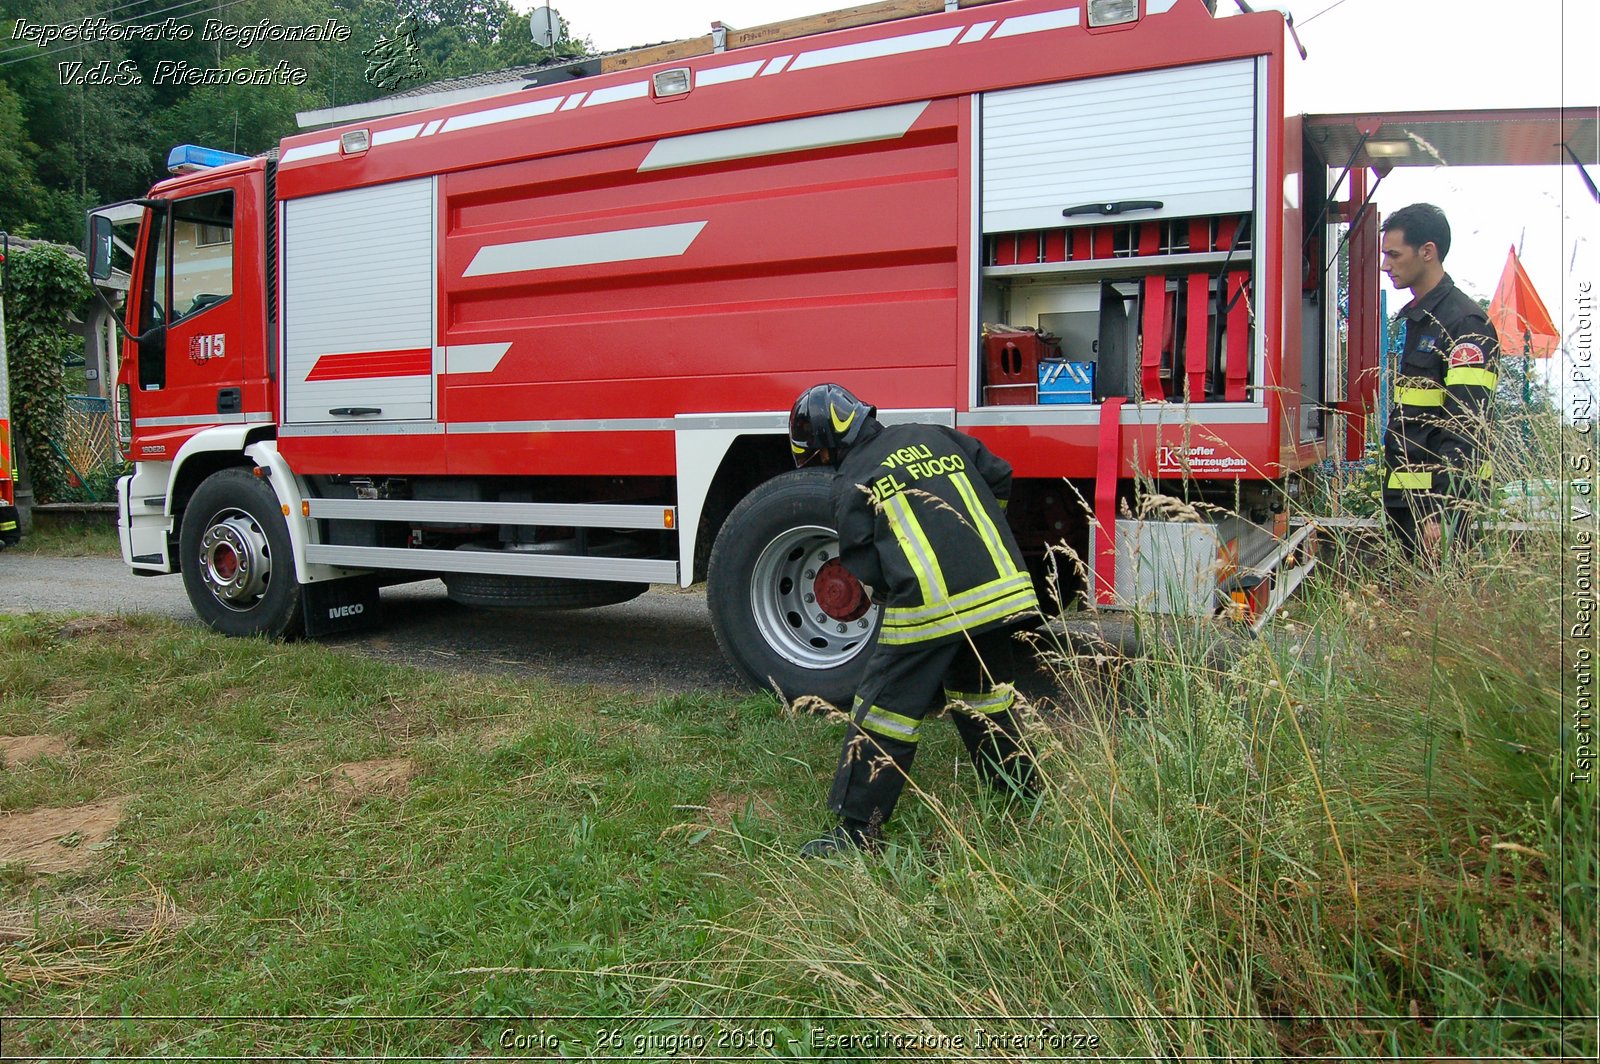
538, 592
762, 592
238, 567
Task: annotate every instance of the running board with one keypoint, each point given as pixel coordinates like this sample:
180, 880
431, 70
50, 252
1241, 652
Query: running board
495, 562
571, 515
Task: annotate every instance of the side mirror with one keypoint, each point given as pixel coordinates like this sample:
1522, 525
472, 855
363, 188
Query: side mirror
99, 247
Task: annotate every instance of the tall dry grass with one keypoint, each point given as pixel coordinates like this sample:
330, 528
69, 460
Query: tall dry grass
1353, 836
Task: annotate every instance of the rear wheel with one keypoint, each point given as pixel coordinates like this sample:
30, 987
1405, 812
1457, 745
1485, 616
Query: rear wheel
237, 564
786, 612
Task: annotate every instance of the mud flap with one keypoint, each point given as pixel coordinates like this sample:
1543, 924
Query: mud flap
335, 606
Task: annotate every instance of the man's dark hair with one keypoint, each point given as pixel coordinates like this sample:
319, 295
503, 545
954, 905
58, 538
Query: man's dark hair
1419, 224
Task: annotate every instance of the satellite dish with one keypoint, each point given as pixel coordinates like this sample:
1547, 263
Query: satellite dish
545, 22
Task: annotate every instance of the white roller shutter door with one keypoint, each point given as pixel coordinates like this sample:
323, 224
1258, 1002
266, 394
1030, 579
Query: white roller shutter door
358, 280
1184, 136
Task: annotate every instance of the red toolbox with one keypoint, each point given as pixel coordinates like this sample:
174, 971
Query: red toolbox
1011, 360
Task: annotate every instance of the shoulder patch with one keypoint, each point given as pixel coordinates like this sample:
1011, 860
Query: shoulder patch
1466, 355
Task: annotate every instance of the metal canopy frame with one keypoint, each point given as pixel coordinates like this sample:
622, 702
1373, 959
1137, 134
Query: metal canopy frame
1529, 136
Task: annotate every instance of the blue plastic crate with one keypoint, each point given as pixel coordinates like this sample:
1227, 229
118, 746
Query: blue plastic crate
1066, 382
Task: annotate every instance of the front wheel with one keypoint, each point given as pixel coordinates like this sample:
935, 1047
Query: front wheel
237, 564
785, 611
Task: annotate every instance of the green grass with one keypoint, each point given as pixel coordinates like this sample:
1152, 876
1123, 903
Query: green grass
552, 848
1353, 838
74, 537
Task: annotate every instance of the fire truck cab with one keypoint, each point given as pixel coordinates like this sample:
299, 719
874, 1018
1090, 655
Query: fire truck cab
543, 345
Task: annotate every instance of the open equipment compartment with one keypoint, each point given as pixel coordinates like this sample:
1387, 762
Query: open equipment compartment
1117, 214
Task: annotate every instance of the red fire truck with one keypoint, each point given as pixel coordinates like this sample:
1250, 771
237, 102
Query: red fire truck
543, 345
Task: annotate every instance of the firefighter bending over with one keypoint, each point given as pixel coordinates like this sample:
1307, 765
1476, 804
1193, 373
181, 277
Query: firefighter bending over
921, 516
1435, 459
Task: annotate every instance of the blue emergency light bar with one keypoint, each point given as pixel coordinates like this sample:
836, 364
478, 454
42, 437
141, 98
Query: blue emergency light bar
187, 158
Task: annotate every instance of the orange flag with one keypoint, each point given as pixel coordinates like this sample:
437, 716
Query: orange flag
1516, 310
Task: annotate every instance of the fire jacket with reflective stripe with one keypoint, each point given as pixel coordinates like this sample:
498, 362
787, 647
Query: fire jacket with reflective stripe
1443, 400
921, 515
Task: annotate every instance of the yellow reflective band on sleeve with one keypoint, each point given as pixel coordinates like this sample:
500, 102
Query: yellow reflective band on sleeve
919, 552
1419, 396
8, 526
891, 725
1483, 378
987, 705
1411, 481
985, 527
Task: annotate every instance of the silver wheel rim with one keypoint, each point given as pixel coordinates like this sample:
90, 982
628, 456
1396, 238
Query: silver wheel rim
235, 561
785, 608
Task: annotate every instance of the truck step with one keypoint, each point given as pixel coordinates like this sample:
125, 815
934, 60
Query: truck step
508, 563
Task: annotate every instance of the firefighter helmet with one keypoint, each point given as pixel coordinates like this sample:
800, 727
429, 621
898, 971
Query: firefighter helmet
826, 417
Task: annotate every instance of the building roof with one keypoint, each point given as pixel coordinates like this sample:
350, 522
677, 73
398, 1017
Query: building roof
22, 243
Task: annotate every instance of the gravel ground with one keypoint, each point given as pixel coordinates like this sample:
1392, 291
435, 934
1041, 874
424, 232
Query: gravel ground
660, 643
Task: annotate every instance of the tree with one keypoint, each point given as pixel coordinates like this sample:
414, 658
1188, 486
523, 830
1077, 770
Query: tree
247, 119
43, 285
457, 37
93, 140
65, 147
24, 197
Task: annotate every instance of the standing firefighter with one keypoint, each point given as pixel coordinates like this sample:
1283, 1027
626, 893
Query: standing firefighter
921, 517
1435, 459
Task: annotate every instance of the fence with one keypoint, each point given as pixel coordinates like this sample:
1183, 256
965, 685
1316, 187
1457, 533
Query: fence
90, 445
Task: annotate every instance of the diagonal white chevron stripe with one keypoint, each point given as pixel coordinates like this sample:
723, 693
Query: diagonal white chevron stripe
976, 32
620, 245
1044, 20
473, 358
633, 90
880, 48
389, 136
723, 74
311, 151
796, 134
496, 115
883, 46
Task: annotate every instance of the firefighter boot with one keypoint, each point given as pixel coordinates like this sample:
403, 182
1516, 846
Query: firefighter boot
992, 740
845, 836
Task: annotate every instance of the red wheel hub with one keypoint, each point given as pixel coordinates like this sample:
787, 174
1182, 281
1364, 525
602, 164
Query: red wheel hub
226, 562
839, 594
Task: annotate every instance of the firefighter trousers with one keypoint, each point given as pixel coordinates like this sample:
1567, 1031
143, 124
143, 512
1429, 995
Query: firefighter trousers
901, 688
1456, 527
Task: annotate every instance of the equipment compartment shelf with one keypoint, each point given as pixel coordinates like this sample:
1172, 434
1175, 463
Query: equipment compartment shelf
1131, 266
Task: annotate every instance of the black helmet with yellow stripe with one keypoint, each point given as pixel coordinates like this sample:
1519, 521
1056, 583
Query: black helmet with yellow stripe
828, 418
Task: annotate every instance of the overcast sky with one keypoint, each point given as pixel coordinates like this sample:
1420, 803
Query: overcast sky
1366, 55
